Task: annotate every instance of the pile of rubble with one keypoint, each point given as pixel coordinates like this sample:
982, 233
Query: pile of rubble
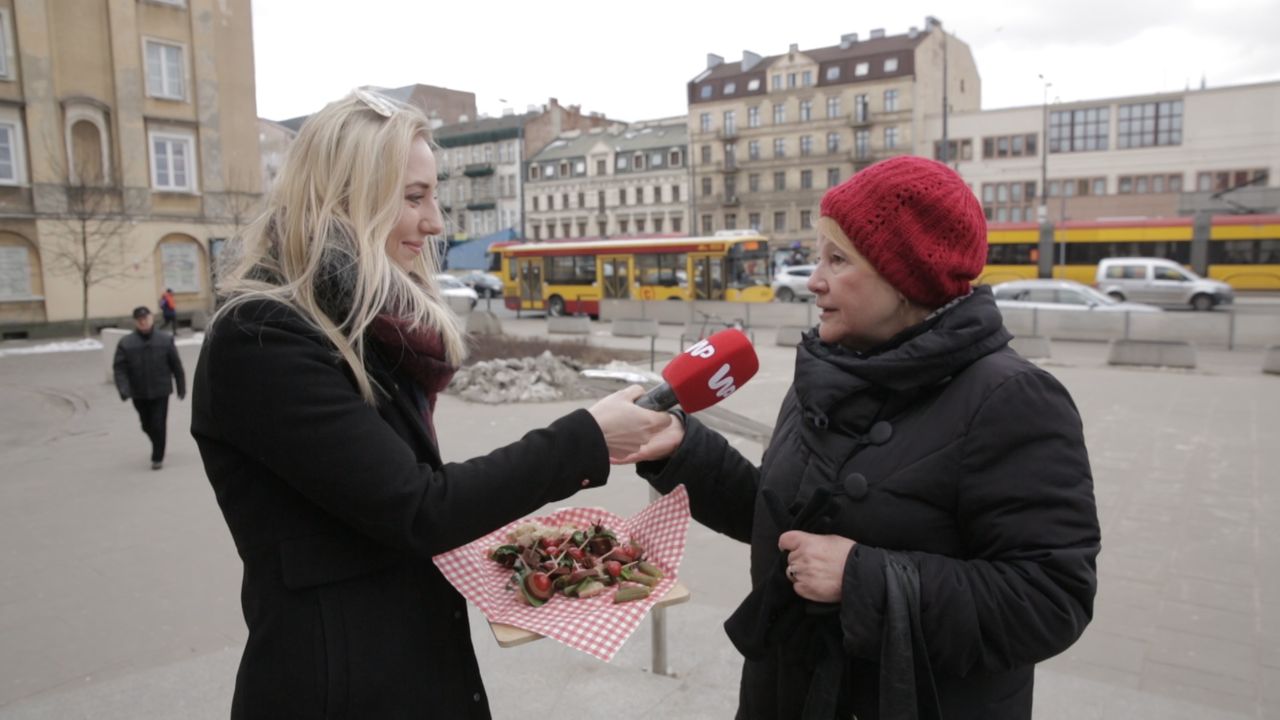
531, 379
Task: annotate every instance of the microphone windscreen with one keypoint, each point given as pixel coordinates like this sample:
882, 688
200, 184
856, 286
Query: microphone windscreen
711, 369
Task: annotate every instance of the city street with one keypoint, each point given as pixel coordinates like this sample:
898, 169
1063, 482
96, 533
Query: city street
119, 585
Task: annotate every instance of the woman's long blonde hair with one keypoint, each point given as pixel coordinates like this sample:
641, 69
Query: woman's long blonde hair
327, 218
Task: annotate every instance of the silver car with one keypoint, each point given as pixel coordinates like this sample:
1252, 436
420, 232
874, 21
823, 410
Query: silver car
1060, 295
791, 283
1160, 281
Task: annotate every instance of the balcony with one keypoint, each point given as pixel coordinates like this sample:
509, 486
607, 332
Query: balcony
860, 120
480, 204
730, 201
891, 115
730, 166
727, 134
478, 169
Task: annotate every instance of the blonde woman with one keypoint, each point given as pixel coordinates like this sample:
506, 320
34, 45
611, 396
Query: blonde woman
313, 408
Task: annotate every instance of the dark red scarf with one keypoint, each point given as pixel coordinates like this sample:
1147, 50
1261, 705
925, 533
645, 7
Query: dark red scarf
420, 355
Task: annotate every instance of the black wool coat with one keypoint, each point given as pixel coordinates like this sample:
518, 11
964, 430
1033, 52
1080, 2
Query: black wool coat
950, 448
336, 509
147, 366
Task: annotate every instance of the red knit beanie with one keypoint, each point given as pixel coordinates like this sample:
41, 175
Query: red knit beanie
918, 225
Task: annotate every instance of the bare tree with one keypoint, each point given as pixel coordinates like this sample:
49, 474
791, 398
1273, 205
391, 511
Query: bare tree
89, 236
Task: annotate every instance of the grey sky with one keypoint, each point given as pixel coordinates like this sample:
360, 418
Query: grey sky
631, 61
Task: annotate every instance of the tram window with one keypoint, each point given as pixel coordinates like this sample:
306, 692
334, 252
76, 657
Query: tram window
1268, 251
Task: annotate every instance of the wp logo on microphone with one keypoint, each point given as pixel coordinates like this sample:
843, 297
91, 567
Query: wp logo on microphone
721, 382
708, 372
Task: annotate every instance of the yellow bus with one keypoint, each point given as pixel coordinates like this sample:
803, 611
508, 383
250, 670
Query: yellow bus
573, 276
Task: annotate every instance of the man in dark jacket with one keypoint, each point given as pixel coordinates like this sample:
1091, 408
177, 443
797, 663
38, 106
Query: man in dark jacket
144, 363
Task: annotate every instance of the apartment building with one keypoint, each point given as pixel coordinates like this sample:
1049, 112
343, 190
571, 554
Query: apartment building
442, 106
480, 165
769, 135
1155, 155
128, 144
618, 181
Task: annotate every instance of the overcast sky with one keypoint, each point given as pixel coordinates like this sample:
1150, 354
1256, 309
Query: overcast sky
632, 60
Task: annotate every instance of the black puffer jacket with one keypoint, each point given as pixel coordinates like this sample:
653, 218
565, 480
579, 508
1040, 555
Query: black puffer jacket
948, 447
147, 366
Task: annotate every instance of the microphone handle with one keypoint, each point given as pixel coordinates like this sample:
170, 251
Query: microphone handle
660, 398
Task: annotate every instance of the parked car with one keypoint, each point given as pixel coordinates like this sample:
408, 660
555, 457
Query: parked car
1160, 282
1060, 295
452, 287
790, 283
485, 284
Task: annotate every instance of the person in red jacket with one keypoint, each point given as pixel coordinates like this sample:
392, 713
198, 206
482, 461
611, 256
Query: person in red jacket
169, 310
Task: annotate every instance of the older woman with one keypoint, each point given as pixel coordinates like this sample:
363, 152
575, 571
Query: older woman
314, 407
923, 528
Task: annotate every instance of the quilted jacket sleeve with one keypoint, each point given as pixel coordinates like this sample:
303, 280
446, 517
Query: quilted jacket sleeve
722, 484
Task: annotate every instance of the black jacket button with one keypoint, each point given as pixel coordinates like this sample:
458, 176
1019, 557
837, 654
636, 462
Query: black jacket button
855, 486
880, 433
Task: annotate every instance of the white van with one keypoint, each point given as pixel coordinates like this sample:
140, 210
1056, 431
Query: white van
1157, 281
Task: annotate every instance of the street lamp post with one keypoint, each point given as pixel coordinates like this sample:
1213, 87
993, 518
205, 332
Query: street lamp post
1044, 153
1046, 235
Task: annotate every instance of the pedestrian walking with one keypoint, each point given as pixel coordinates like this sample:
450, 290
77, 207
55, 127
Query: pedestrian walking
147, 368
314, 406
923, 529
169, 310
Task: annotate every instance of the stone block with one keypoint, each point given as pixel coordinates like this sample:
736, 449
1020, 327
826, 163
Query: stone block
789, 335
1032, 347
1271, 360
1158, 353
635, 328
570, 325
483, 322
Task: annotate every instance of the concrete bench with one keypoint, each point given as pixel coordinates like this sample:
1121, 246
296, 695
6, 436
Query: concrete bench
483, 322
790, 335
1032, 347
1159, 353
569, 325
1271, 360
638, 328
634, 328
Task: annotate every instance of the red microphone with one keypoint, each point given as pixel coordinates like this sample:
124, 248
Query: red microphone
708, 372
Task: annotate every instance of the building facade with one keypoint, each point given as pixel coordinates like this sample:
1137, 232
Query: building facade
480, 166
769, 135
1157, 155
619, 181
128, 143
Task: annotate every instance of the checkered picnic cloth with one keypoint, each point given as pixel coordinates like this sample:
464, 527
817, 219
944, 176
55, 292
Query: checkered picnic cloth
594, 625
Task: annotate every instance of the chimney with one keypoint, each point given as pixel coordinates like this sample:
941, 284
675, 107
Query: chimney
931, 22
714, 60
914, 32
877, 33
848, 40
795, 48
749, 60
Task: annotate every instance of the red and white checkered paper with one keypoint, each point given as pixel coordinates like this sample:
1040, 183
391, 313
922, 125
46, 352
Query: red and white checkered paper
594, 625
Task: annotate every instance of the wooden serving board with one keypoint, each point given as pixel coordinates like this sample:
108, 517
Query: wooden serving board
510, 635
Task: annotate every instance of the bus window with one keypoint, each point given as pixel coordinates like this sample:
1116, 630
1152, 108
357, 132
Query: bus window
748, 265
664, 269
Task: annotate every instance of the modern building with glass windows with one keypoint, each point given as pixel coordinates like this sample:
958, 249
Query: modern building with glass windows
1142, 156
